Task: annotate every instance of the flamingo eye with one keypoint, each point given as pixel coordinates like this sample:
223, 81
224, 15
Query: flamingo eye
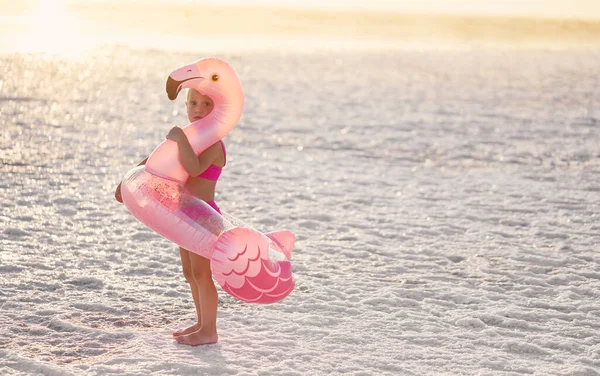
215, 77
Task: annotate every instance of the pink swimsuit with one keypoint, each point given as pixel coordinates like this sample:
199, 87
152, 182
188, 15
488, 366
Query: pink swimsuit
213, 172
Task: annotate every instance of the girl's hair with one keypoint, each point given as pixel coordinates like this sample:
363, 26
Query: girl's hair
187, 94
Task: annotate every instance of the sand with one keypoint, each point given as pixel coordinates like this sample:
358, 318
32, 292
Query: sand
446, 205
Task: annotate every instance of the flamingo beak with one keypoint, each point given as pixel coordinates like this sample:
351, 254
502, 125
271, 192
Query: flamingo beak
187, 76
174, 86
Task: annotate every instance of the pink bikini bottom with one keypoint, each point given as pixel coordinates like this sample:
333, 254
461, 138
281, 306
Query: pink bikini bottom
195, 212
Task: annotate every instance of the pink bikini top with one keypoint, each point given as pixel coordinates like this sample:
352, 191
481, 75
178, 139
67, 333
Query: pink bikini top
213, 172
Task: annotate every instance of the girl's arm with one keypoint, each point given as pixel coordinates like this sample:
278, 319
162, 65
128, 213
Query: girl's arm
193, 165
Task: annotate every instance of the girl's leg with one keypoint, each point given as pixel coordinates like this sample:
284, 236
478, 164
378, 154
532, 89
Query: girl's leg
208, 303
186, 264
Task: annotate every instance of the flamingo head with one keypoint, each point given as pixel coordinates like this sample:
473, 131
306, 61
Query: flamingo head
210, 76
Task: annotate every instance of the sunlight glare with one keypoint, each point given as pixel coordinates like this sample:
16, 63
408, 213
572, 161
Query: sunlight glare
52, 29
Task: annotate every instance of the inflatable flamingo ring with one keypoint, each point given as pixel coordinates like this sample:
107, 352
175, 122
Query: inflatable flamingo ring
249, 265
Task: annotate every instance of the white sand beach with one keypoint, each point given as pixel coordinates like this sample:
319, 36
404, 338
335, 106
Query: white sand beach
446, 205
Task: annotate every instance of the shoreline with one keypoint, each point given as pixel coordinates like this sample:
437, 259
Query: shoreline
176, 27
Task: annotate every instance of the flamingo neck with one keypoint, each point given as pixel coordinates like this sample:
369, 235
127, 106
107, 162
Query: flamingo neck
201, 134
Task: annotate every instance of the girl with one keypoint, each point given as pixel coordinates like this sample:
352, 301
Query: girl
204, 170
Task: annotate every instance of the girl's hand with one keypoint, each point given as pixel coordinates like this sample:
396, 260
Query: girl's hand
176, 134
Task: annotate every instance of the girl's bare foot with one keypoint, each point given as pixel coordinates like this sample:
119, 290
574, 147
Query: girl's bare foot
191, 329
201, 337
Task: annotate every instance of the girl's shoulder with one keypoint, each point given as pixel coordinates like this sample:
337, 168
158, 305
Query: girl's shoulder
216, 150
213, 147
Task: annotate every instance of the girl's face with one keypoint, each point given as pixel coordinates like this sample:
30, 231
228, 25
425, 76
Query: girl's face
198, 105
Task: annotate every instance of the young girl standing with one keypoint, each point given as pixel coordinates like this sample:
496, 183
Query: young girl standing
204, 171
